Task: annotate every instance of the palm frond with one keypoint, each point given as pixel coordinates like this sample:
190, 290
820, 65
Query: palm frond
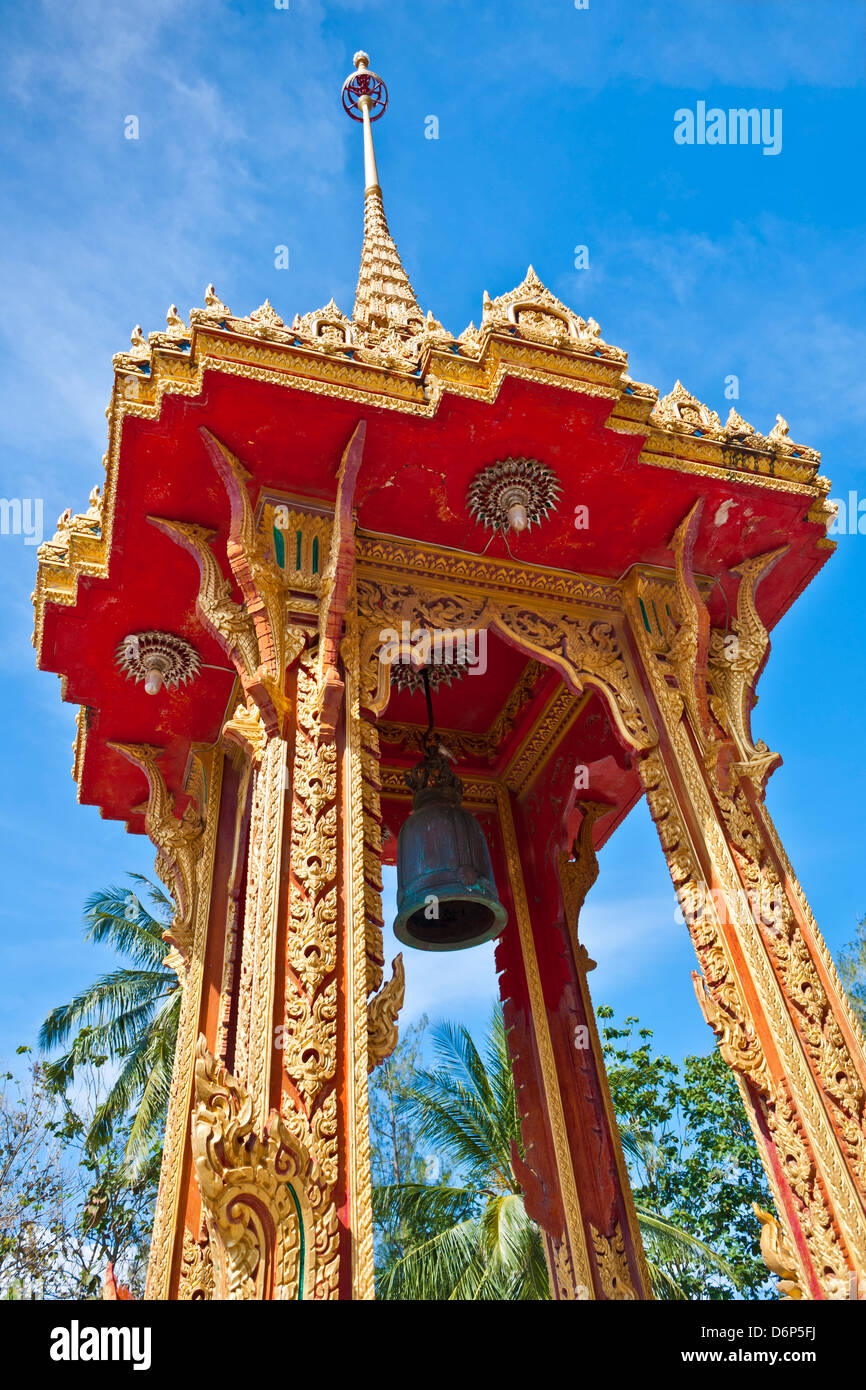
673, 1242
437, 1265
130, 1014
141, 1087
119, 1004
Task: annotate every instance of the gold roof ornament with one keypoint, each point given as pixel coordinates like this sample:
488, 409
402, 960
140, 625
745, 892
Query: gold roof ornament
537, 315
384, 297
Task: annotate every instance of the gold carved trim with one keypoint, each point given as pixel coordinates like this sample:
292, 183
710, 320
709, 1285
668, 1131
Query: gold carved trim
310, 1026
167, 1215
587, 650
562, 1275
777, 1255
364, 948
255, 1190
177, 841
383, 1011
256, 1021
542, 740
196, 1284
386, 559
747, 469
612, 1265
231, 963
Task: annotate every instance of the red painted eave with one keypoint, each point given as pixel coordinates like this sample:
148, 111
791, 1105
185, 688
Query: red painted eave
412, 483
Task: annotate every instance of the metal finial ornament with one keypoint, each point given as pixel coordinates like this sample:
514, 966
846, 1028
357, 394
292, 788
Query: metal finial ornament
364, 92
157, 658
514, 494
384, 299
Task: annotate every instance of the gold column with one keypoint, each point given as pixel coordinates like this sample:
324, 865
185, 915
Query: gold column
168, 1217
767, 986
255, 1032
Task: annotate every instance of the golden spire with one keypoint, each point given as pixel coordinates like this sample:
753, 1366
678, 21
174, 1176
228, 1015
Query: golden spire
384, 297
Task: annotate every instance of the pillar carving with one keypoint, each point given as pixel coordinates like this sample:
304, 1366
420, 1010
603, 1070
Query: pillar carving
767, 984
256, 1190
255, 987
168, 1226
272, 1188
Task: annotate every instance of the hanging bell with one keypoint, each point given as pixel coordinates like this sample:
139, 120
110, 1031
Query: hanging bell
446, 896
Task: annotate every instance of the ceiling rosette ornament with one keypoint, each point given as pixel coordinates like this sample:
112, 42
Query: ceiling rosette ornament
516, 493
160, 659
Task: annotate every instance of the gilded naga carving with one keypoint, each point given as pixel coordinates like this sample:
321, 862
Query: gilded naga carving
254, 1190
177, 840
383, 1011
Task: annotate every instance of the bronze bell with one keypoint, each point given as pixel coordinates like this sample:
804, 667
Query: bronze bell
446, 896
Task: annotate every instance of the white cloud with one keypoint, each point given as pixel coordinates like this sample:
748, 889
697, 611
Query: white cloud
800, 355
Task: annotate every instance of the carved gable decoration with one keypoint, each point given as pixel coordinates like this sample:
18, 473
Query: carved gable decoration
680, 410
539, 316
328, 328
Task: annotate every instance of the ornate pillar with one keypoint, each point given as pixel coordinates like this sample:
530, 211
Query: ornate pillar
265, 1192
767, 984
574, 1175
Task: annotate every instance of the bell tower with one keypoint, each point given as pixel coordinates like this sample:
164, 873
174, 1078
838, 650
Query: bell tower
228, 614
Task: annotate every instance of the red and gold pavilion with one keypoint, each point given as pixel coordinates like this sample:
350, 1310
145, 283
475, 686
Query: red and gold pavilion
278, 497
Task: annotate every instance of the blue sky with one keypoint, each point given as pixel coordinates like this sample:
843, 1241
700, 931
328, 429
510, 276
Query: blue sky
555, 130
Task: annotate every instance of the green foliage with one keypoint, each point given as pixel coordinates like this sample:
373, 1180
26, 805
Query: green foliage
693, 1160
852, 969
67, 1209
466, 1234
470, 1237
398, 1157
81, 1140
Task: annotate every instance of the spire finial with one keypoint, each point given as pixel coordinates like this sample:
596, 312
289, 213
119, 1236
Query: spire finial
364, 92
384, 297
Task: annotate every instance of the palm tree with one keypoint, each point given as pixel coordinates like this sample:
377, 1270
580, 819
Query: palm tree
473, 1239
129, 1016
